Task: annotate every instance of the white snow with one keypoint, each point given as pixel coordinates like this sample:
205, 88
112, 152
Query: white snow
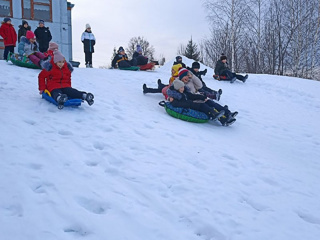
123, 169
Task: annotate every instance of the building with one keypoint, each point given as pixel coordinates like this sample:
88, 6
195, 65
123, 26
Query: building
56, 14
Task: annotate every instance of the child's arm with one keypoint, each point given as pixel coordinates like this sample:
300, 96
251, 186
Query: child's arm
42, 80
174, 94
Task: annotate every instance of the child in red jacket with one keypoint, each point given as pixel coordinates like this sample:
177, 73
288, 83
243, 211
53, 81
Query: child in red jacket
9, 36
56, 78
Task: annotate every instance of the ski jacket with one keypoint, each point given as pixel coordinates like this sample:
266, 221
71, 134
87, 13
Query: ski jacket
118, 58
27, 48
220, 67
185, 99
43, 36
22, 31
194, 84
183, 65
56, 77
8, 34
88, 40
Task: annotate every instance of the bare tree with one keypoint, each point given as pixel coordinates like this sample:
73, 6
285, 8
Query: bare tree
147, 49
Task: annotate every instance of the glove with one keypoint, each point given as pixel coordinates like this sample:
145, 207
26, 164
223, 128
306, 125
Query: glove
205, 72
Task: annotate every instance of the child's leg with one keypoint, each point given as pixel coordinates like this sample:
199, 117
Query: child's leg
73, 93
33, 58
6, 51
218, 107
124, 64
55, 93
90, 58
40, 55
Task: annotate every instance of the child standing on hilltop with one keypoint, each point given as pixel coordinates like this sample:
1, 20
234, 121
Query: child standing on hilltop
56, 78
9, 36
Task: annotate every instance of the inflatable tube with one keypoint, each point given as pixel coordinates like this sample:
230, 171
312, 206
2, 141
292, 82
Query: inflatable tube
70, 103
133, 68
185, 114
21, 63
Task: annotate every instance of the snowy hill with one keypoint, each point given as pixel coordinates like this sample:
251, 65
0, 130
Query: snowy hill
123, 169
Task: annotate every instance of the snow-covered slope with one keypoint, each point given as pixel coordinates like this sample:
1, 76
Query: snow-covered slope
124, 169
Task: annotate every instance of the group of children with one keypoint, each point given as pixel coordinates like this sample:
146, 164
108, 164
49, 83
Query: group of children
186, 89
56, 71
121, 59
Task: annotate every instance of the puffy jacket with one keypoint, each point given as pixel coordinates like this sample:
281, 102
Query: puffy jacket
26, 47
55, 78
8, 34
220, 67
22, 31
118, 58
88, 40
43, 36
194, 84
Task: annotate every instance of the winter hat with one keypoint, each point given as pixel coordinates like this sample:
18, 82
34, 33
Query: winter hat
178, 58
6, 19
41, 21
24, 22
183, 72
88, 26
53, 46
30, 35
177, 84
139, 49
176, 68
223, 57
120, 49
196, 65
57, 56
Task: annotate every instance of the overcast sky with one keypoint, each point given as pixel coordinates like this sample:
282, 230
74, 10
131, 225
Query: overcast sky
164, 23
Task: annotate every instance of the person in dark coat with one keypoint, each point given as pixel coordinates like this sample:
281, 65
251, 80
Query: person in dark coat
9, 36
222, 69
179, 61
208, 92
43, 36
89, 41
141, 60
23, 29
122, 60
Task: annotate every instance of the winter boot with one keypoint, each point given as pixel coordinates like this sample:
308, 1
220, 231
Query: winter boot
87, 65
62, 98
230, 121
223, 120
90, 66
159, 82
234, 114
215, 115
245, 78
89, 98
144, 86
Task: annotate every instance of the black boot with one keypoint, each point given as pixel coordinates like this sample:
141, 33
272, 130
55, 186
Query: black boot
245, 78
89, 98
215, 115
62, 98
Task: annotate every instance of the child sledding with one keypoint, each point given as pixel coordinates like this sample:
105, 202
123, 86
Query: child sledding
223, 73
121, 61
142, 61
56, 79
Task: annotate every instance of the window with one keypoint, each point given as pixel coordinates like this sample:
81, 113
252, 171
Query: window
6, 8
37, 9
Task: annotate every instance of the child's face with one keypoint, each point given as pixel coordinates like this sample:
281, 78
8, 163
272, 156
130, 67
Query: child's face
25, 25
181, 89
196, 69
32, 40
122, 53
185, 79
9, 22
60, 64
224, 60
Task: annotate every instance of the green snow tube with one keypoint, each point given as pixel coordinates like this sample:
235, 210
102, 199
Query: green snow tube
25, 62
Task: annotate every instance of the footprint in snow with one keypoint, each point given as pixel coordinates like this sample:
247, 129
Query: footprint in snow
76, 230
309, 218
65, 133
92, 205
30, 122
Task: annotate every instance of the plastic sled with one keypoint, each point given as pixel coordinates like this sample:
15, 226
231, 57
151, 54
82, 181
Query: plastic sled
221, 78
133, 68
70, 103
148, 66
185, 114
24, 62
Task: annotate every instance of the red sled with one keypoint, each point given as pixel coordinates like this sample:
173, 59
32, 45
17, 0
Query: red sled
220, 78
148, 66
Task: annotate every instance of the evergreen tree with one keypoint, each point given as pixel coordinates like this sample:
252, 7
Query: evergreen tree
192, 51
